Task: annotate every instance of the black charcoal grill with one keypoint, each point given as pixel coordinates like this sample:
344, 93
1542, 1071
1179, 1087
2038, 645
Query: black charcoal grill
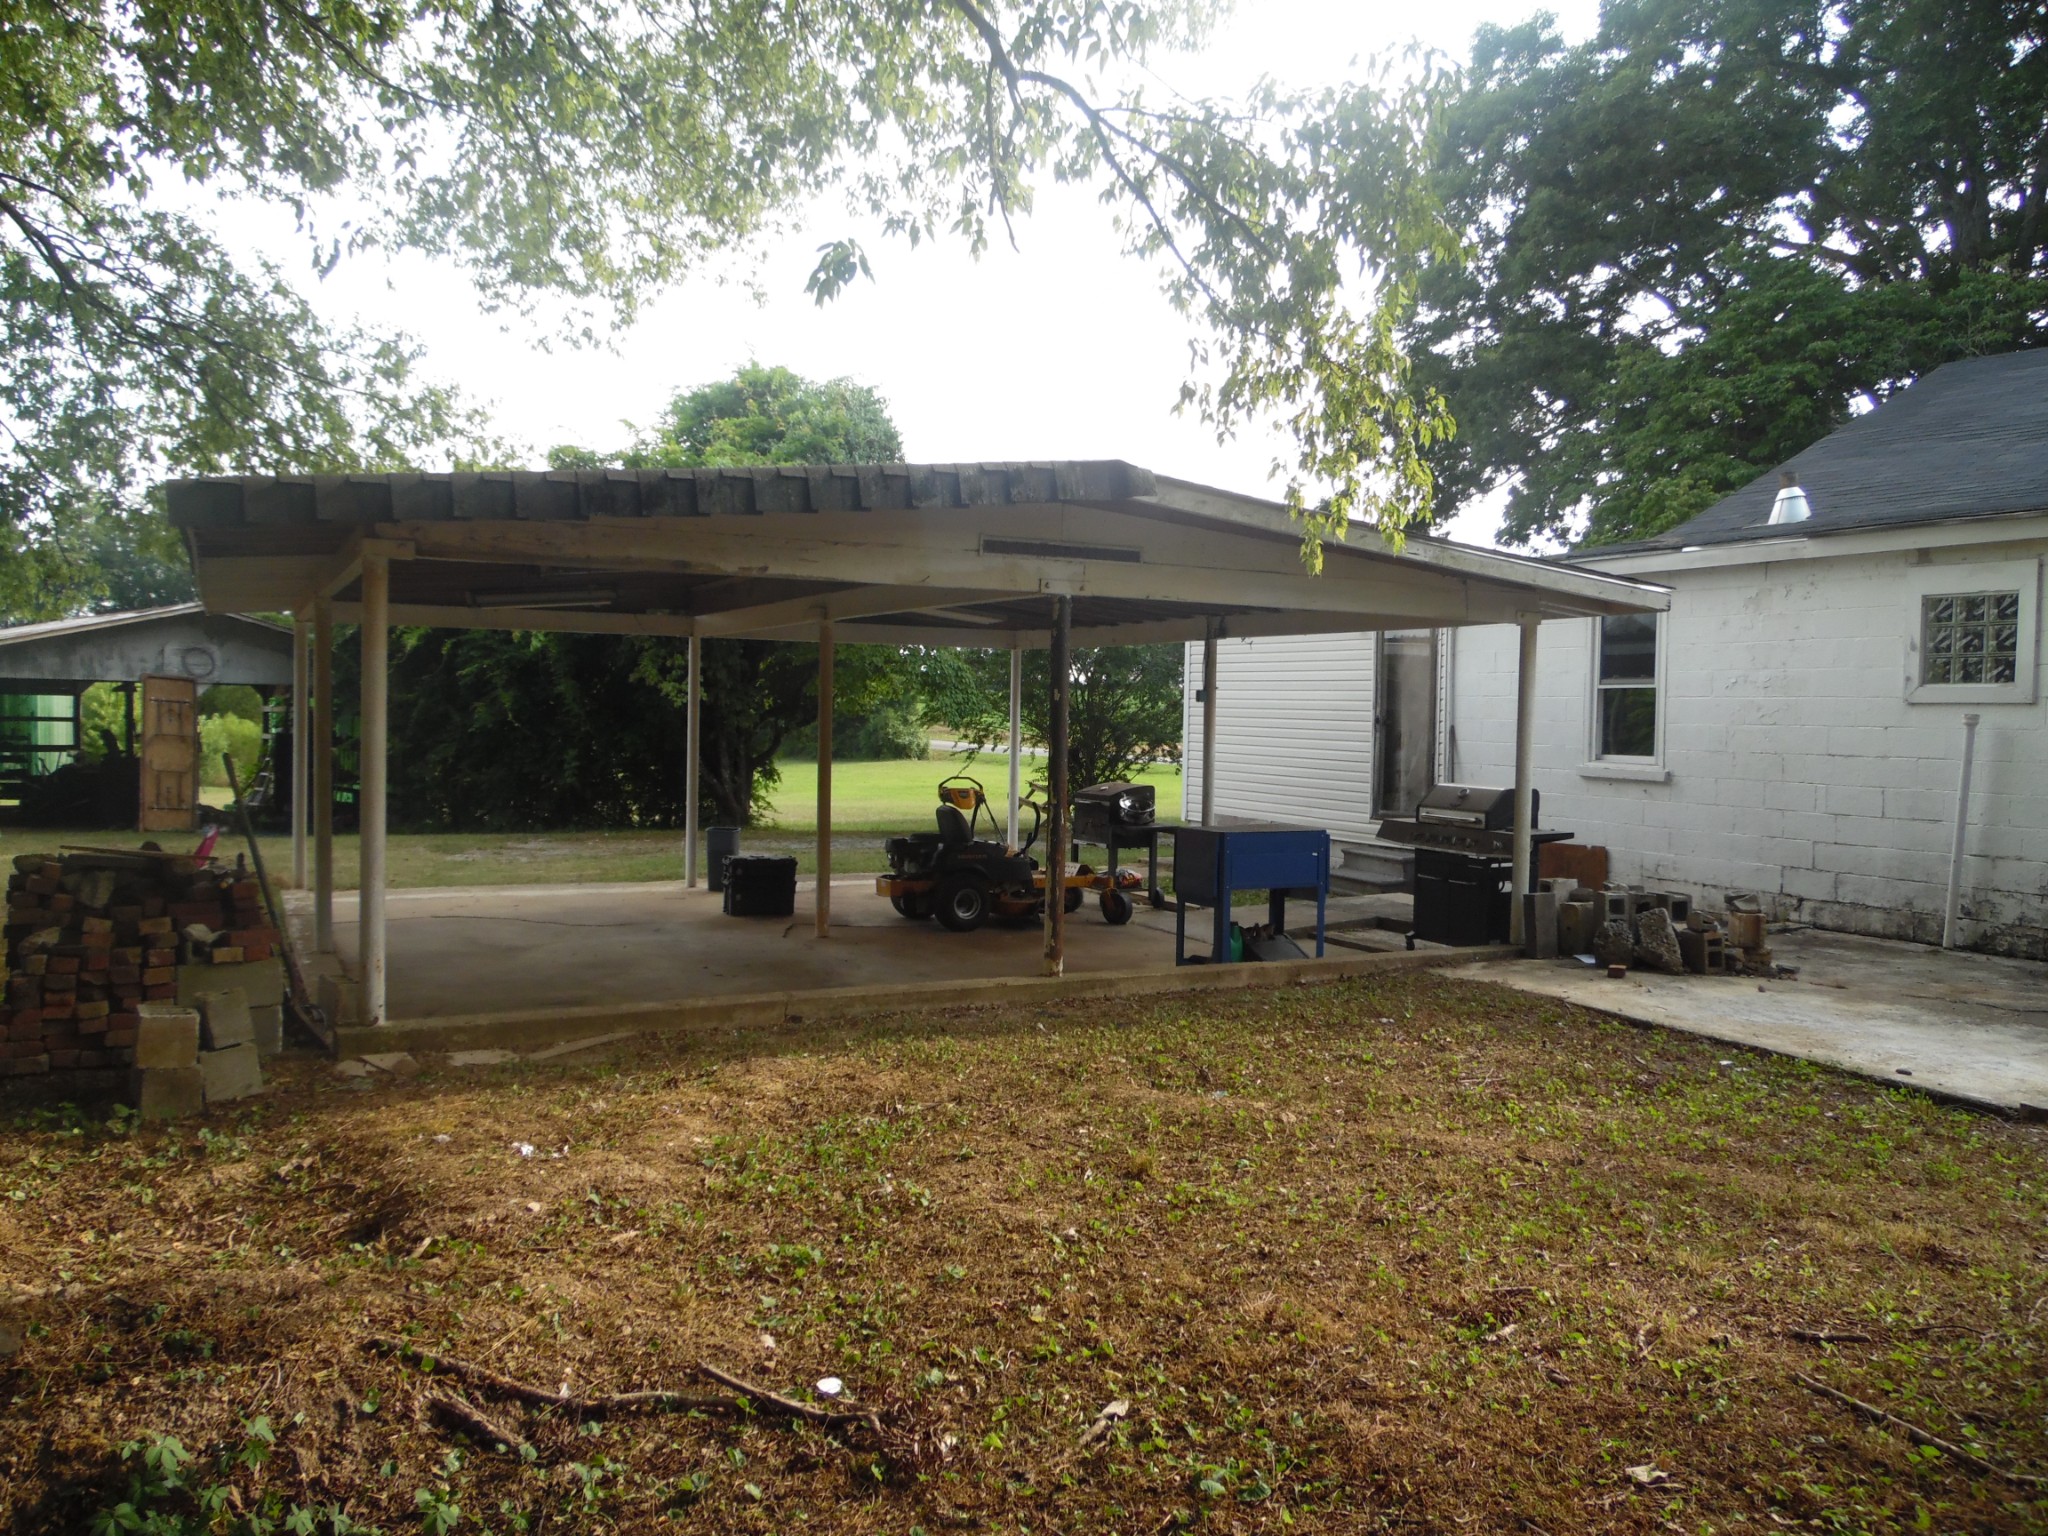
1464, 841
1119, 817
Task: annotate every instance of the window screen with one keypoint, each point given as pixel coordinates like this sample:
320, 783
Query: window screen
1970, 637
1625, 687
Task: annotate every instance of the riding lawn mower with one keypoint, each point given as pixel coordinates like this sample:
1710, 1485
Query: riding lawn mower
963, 880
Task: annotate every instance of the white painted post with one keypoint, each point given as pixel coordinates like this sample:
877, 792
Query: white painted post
1953, 913
301, 785
1209, 633
1525, 742
321, 746
824, 902
370, 800
1016, 737
692, 713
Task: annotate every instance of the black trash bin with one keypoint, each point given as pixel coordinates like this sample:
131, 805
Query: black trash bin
760, 885
720, 844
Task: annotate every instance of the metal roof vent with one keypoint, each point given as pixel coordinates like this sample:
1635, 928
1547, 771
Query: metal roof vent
1791, 505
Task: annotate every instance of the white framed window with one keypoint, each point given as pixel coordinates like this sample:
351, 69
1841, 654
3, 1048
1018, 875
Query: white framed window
1625, 699
1627, 713
1974, 633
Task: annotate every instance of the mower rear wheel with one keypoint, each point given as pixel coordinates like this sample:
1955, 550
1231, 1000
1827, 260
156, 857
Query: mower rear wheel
961, 902
1116, 908
907, 906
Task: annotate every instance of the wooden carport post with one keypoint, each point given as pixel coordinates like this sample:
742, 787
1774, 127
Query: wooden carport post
1059, 666
691, 714
322, 750
370, 799
302, 643
824, 901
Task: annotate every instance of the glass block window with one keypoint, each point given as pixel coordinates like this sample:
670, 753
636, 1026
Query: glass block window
1625, 687
1970, 637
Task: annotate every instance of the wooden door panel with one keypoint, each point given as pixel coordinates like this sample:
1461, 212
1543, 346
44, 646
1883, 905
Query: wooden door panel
170, 755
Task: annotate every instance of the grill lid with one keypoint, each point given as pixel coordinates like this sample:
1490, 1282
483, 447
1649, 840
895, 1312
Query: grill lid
1468, 805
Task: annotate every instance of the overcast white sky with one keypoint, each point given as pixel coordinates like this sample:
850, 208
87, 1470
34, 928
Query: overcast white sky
1061, 349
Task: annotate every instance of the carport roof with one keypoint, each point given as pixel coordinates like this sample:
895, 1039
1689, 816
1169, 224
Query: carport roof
948, 554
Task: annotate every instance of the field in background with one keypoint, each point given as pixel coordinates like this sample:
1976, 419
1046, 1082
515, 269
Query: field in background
869, 802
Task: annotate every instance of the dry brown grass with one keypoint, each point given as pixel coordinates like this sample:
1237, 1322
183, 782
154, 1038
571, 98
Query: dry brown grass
1411, 1256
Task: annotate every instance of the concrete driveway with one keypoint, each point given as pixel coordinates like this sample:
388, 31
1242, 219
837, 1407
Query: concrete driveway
1967, 1026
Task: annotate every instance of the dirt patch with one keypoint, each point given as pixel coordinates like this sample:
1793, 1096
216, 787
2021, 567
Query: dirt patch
1397, 1255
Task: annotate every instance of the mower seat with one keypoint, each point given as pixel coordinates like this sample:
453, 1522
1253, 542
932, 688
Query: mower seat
954, 828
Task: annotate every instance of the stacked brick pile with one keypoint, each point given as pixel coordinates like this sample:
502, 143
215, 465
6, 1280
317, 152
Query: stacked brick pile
91, 937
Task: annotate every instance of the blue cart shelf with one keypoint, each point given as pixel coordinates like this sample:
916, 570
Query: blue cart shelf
1211, 862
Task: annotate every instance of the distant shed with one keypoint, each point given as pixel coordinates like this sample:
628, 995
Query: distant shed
46, 668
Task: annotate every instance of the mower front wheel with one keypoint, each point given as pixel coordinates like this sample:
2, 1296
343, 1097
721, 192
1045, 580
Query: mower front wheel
962, 902
1116, 908
909, 906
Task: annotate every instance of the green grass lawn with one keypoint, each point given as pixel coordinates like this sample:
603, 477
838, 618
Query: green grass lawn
870, 801
899, 796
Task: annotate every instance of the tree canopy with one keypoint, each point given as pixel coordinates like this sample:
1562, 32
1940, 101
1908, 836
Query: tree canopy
1698, 239
1123, 705
496, 730
599, 151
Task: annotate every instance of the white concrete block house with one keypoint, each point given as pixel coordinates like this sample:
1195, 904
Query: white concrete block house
1793, 726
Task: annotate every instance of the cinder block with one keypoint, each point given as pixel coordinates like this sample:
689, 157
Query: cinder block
260, 981
166, 1037
224, 1019
268, 1024
1539, 925
167, 1093
234, 1073
338, 997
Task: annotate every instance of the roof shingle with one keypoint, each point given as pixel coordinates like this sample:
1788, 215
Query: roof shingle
1968, 440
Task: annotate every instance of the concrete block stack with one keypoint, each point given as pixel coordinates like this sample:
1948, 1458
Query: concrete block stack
93, 937
167, 1083
1624, 926
228, 1063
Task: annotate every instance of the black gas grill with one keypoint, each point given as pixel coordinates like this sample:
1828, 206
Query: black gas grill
1464, 841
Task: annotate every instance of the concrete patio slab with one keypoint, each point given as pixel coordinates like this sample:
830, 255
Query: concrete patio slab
1963, 1026
529, 965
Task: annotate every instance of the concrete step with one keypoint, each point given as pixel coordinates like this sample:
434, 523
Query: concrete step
1372, 865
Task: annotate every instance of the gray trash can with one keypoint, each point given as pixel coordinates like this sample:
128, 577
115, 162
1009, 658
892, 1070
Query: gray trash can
720, 844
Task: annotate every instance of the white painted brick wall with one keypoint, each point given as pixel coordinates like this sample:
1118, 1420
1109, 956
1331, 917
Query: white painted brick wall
1797, 767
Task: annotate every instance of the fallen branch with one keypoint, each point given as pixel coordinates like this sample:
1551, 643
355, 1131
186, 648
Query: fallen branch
539, 1397
601, 1405
1827, 1336
1916, 1434
484, 1430
831, 1418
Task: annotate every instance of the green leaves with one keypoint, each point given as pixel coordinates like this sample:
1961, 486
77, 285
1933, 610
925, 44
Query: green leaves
1701, 238
602, 153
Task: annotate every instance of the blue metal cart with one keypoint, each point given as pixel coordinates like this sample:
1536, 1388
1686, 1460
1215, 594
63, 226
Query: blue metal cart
1211, 862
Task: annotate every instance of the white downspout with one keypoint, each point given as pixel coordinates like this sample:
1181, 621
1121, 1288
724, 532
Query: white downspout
1952, 918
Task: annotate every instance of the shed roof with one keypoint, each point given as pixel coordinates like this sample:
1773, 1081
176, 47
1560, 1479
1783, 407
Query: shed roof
1968, 440
951, 554
182, 640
